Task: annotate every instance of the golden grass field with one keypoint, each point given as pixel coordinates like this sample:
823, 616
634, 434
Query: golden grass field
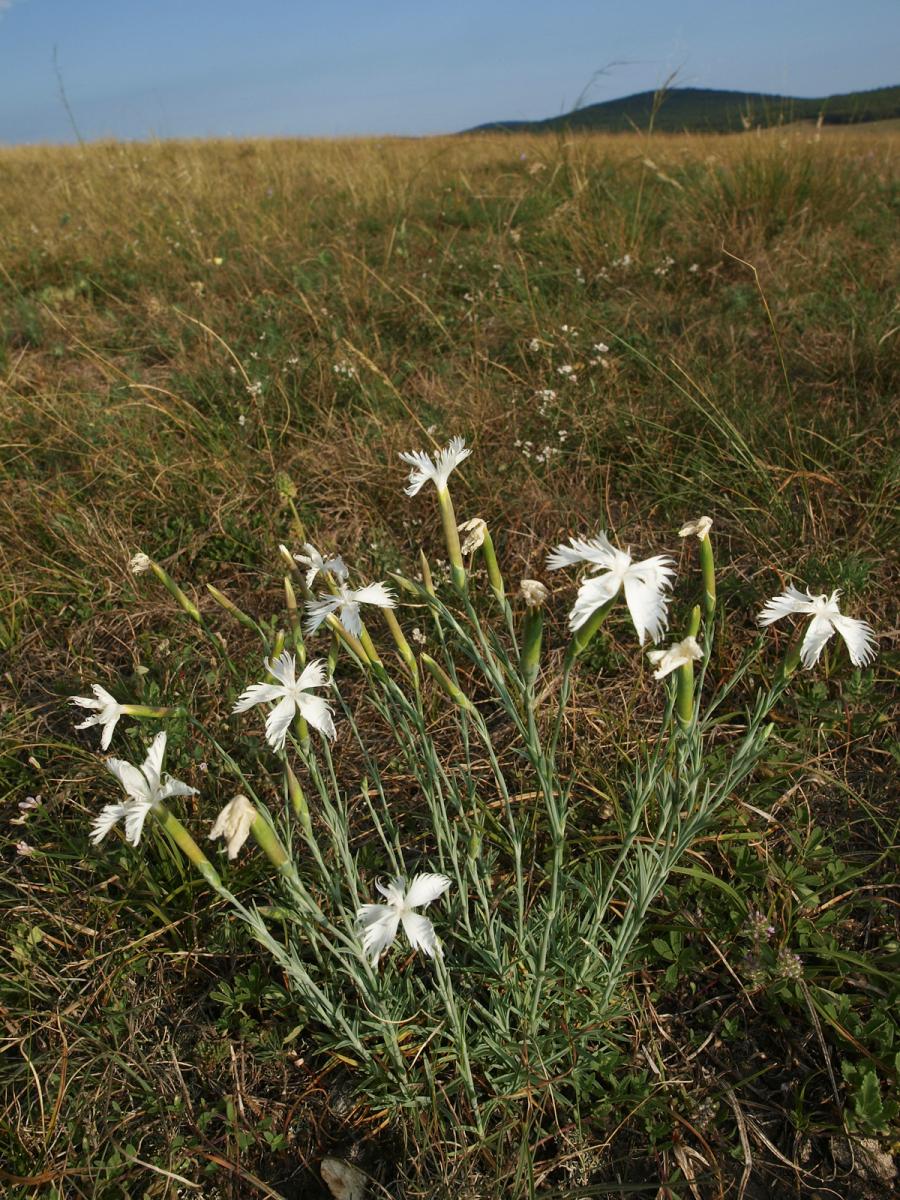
182, 325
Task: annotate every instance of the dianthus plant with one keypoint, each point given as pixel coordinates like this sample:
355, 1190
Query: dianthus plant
451, 929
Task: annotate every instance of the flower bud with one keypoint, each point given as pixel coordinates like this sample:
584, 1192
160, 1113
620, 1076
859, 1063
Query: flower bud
446, 684
533, 592
168, 582
233, 824
139, 563
231, 607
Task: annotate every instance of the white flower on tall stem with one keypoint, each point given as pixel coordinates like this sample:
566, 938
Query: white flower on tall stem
826, 621
346, 603
678, 655
293, 696
437, 469
381, 921
107, 711
317, 564
233, 823
644, 583
145, 786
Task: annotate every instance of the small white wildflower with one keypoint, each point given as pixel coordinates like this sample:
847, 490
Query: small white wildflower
418, 636
346, 604
644, 583
242, 420
293, 696
600, 348
24, 850
255, 389
144, 786
826, 621
316, 564
534, 345
380, 922
107, 712
438, 469
233, 823
26, 806
677, 655
139, 563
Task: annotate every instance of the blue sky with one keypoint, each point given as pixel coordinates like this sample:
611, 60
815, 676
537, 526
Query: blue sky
195, 68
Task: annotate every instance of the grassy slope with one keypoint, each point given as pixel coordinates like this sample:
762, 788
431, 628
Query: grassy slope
711, 110
126, 352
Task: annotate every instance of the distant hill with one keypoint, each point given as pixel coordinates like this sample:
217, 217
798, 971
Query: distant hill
706, 110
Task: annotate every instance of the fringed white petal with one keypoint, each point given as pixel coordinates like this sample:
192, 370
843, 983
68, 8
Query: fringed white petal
350, 618
278, 722
449, 459
174, 787
593, 594
599, 551
152, 764
134, 820
818, 632
130, 777
860, 639
790, 601
316, 712
425, 888
318, 610
647, 604
283, 668
313, 675
380, 924
258, 693
423, 469
420, 932
108, 816
378, 594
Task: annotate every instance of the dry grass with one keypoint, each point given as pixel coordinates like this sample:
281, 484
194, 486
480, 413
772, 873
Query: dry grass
146, 290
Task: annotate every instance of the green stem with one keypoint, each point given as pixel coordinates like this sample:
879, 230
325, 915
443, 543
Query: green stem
451, 536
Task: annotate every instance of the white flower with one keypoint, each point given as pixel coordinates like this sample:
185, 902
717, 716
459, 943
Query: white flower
534, 345
678, 655
643, 583
601, 348
475, 529
826, 620
23, 849
293, 696
700, 527
139, 563
533, 592
233, 823
380, 921
107, 712
144, 786
315, 563
437, 469
26, 806
346, 603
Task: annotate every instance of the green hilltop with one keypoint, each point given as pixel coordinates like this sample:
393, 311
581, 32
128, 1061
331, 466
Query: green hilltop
708, 110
